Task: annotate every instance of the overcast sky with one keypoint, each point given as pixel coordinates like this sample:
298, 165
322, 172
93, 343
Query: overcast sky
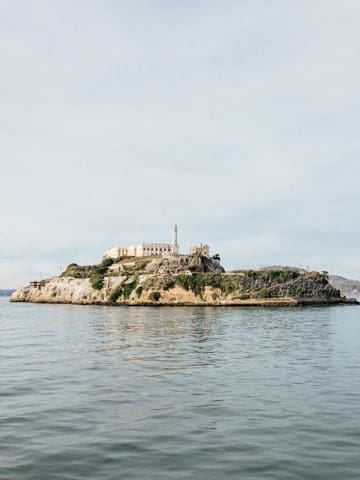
238, 120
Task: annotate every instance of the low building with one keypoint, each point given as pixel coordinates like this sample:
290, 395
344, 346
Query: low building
203, 250
141, 250
146, 249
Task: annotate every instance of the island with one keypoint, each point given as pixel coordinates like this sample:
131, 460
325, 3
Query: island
172, 280
6, 293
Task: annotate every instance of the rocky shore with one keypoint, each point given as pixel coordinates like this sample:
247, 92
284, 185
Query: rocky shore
184, 280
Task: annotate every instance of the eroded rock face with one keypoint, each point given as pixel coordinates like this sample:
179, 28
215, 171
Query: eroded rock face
66, 290
184, 263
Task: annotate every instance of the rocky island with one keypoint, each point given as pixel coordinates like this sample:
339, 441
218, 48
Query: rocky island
179, 280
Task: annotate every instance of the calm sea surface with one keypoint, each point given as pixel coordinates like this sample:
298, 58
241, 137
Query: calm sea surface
179, 393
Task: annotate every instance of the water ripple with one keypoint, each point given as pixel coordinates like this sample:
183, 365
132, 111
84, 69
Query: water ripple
179, 393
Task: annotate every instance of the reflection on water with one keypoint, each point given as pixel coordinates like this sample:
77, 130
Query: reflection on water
200, 393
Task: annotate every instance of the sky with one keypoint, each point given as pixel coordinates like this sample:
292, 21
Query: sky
237, 120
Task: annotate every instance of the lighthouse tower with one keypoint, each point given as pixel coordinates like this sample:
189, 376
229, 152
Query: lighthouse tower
174, 246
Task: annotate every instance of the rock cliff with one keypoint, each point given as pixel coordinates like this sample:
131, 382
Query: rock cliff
185, 280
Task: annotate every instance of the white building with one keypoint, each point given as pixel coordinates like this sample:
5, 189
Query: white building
146, 249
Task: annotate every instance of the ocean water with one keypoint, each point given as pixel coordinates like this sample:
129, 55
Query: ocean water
179, 393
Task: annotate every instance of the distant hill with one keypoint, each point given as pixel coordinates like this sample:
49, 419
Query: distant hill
6, 293
351, 288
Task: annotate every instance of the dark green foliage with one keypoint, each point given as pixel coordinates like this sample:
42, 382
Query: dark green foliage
244, 296
264, 293
97, 281
76, 271
226, 283
97, 276
185, 281
154, 296
198, 281
127, 288
116, 293
96, 273
100, 270
284, 275
210, 279
250, 273
169, 283
138, 291
107, 262
227, 287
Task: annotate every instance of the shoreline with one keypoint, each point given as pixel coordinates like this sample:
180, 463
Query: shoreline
269, 303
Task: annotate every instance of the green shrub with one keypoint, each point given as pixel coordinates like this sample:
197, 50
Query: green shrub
244, 296
107, 262
168, 283
100, 270
155, 296
227, 287
116, 293
264, 293
213, 280
75, 274
97, 281
138, 291
195, 282
128, 288
198, 281
184, 281
75, 271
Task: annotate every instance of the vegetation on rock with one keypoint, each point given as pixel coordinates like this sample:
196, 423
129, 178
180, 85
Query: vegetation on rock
155, 296
97, 280
128, 288
115, 294
196, 274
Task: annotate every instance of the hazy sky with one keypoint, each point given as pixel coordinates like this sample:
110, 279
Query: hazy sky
238, 120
